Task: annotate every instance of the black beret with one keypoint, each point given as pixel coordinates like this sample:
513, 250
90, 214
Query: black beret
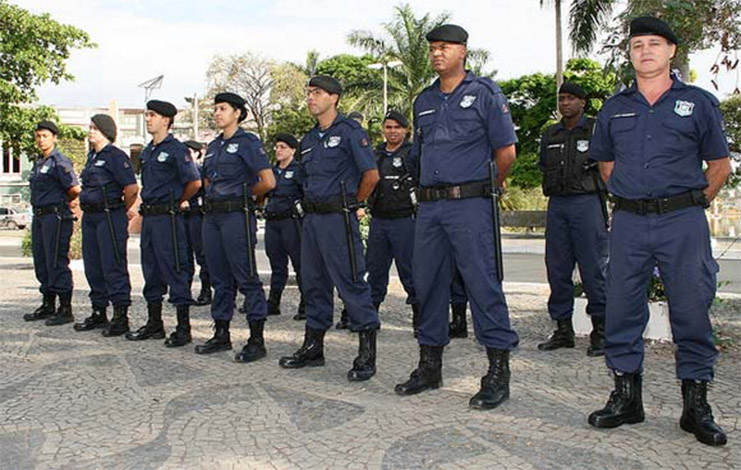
162, 108
329, 84
573, 89
288, 139
106, 125
231, 98
48, 125
355, 115
448, 33
650, 26
398, 117
195, 145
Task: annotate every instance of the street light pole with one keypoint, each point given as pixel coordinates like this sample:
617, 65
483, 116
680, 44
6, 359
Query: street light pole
385, 66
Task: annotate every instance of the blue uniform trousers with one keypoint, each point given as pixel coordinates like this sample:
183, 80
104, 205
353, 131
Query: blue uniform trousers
575, 233
457, 290
282, 241
458, 233
44, 232
108, 280
325, 261
194, 229
225, 244
390, 240
678, 243
158, 260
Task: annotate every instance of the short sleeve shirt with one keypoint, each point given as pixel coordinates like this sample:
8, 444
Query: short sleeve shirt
110, 169
166, 168
51, 178
288, 188
232, 163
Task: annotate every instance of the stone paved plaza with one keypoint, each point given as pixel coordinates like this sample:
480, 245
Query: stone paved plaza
72, 400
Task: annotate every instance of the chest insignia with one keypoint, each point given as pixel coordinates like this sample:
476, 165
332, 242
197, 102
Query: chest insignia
684, 108
582, 145
289, 175
333, 141
467, 101
305, 151
232, 148
396, 162
45, 168
99, 162
162, 157
425, 113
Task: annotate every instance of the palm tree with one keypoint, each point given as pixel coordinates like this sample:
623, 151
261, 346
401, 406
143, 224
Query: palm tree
559, 45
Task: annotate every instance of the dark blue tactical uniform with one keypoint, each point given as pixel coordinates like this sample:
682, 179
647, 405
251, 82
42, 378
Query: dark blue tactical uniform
576, 230
391, 235
106, 267
458, 327
658, 152
230, 164
194, 229
51, 229
283, 231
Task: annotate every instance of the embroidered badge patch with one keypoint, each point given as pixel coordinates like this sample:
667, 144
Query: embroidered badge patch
45, 169
162, 157
397, 162
289, 175
684, 108
334, 141
467, 101
232, 148
582, 145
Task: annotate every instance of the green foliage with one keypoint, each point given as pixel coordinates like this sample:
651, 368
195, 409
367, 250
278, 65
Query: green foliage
75, 242
517, 198
731, 110
525, 172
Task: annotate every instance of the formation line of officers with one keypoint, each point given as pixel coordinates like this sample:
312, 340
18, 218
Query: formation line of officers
432, 214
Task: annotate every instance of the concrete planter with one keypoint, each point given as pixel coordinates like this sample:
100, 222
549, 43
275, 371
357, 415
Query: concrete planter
658, 327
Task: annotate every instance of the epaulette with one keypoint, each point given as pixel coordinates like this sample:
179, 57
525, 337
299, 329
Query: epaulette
489, 84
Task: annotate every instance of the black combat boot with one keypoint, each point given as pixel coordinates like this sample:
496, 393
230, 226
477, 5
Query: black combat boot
63, 314
46, 309
697, 416
255, 347
204, 298
625, 405
364, 366
311, 353
597, 338
428, 374
458, 327
344, 322
221, 340
181, 335
153, 329
119, 323
301, 314
98, 319
415, 319
274, 302
495, 384
563, 337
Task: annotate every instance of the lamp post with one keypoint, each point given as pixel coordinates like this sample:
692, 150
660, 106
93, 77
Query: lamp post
385, 66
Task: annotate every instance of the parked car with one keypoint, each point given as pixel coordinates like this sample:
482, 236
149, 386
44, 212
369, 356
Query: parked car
13, 219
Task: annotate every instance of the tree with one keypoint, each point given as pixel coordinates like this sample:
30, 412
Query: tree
559, 42
33, 50
288, 100
731, 110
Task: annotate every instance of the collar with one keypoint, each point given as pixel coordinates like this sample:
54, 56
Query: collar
337, 119
53, 153
239, 132
467, 79
677, 84
582, 123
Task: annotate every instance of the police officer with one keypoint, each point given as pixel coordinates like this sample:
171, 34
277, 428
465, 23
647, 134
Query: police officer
283, 223
458, 304
393, 206
193, 212
576, 221
236, 169
335, 156
169, 178
463, 124
651, 140
109, 190
54, 188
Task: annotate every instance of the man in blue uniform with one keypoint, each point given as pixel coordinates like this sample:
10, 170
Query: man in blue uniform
283, 223
236, 170
576, 225
54, 187
193, 212
393, 206
169, 178
462, 123
109, 191
651, 140
335, 156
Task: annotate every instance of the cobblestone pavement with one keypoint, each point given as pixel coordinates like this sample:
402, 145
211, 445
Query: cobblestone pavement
72, 400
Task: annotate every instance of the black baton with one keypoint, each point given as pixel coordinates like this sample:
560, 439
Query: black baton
247, 229
58, 235
495, 221
174, 231
111, 230
600, 194
348, 232
298, 214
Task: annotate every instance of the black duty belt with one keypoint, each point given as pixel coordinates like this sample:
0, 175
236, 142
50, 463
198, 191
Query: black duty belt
112, 205
192, 210
228, 205
393, 215
459, 191
311, 207
278, 215
43, 210
155, 209
662, 205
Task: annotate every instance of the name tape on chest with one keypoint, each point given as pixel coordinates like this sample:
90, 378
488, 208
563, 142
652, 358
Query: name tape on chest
425, 112
99, 163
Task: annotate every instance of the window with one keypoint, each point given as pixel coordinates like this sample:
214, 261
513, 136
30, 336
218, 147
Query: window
11, 164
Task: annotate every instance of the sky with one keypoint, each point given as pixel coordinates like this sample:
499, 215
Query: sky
139, 40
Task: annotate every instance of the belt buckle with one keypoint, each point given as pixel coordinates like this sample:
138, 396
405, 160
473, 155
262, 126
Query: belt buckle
642, 207
454, 192
661, 205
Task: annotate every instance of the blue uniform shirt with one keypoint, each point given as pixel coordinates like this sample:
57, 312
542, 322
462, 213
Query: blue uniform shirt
197, 200
658, 150
229, 163
288, 188
457, 133
110, 168
51, 178
342, 152
166, 168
